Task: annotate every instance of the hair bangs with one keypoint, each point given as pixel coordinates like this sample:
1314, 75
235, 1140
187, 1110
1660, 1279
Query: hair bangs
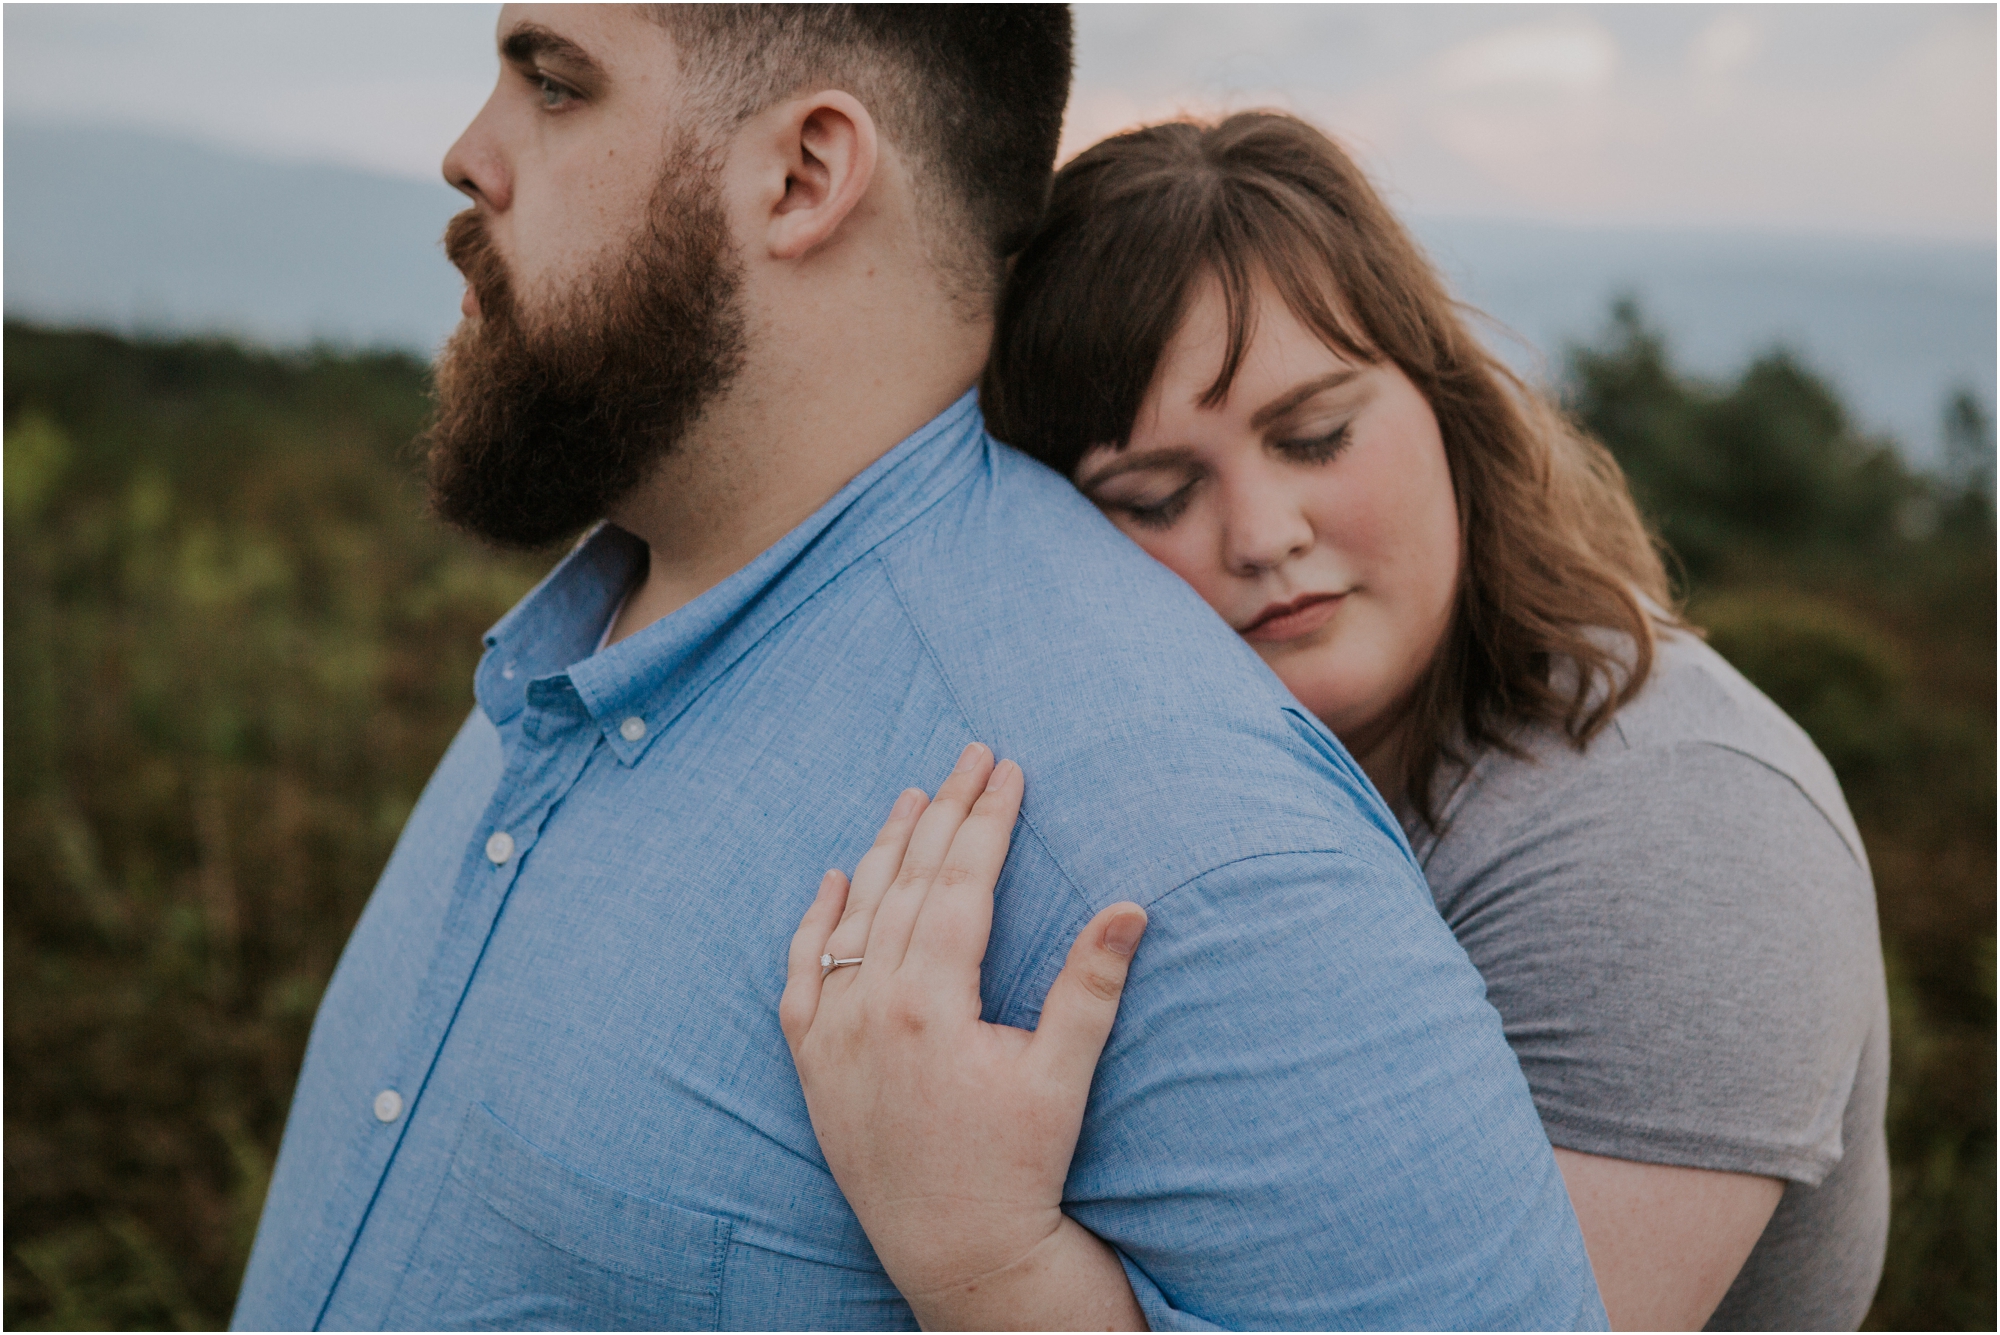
1258, 241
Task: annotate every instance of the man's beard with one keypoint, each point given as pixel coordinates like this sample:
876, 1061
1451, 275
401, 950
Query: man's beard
542, 424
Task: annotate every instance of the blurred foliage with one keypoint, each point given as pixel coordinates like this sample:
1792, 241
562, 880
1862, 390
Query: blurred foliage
1859, 595
237, 646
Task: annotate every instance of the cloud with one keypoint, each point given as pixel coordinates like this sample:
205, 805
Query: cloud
1563, 57
1824, 118
1724, 47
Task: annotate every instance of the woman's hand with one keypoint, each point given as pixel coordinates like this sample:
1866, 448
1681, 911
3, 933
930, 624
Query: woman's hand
952, 1137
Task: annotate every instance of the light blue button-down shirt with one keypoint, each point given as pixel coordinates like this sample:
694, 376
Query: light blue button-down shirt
547, 1085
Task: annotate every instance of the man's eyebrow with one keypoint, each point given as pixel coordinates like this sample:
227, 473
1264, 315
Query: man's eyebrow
529, 42
1284, 403
1132, 463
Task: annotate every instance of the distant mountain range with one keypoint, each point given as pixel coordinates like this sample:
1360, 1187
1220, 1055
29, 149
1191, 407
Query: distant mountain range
134, 232
129, 231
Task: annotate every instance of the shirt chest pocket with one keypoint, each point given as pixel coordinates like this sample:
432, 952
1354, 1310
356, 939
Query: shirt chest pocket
517, 1240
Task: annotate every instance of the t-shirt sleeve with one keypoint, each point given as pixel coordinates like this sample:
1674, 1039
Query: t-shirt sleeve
1307, 1118
1680, 944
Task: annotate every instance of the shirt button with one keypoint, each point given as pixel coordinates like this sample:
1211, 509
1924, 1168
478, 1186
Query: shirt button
500, 847
388, 1106
632, 729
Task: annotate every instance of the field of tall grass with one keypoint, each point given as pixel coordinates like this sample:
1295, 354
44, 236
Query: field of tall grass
236, 645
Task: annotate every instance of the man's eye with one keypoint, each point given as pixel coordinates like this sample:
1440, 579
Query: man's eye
1317, 449
1158, 514
554, 95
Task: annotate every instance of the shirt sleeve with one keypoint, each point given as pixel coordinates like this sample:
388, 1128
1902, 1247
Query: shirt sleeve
1307, 1118
1683, 950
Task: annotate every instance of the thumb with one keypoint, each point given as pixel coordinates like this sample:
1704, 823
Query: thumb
1083, 1001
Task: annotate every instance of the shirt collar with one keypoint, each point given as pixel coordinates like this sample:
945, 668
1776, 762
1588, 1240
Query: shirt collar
635, 689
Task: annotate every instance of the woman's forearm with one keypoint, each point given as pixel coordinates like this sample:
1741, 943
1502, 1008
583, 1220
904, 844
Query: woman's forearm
1071, 1281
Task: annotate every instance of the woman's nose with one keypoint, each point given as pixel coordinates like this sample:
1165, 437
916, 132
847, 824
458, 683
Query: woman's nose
1265, 526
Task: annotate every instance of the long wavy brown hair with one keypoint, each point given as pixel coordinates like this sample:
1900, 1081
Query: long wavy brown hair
1554, 552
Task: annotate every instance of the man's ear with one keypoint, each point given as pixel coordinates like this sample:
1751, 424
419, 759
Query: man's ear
828, 148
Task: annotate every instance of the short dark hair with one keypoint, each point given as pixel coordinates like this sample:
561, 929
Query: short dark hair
973, 93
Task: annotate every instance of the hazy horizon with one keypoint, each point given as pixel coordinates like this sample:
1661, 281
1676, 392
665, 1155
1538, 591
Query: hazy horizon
1759, 117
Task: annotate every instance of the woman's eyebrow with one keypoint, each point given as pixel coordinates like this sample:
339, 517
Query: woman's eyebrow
1284, 403
1133, 463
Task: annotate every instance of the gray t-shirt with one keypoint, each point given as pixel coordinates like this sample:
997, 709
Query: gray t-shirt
1677, 926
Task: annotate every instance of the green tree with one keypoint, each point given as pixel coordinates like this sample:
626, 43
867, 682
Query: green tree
1768, 467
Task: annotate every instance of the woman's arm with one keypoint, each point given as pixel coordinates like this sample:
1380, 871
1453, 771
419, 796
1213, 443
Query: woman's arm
950, 1137
1665, 1242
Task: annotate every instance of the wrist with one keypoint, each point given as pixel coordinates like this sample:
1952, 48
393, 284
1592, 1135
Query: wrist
961, 1275
1069, 1280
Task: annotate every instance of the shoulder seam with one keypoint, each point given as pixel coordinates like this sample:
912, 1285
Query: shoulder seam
1634, 754
951, 691
1207, 872
1859, 856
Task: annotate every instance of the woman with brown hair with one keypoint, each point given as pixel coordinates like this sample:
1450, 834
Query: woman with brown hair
1229, 344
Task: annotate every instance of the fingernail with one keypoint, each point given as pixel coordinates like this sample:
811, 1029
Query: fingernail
904, 805
1122, 936
967, 757
826, 882
999, 775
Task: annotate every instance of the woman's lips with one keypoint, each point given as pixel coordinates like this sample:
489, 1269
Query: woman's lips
1288, 621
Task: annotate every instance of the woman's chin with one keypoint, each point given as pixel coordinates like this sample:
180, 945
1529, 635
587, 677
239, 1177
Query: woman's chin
1350, 713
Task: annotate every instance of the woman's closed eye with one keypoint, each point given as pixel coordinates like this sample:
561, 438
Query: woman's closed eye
1156, 513
1316, 449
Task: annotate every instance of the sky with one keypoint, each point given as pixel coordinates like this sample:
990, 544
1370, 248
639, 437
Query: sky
1869, 120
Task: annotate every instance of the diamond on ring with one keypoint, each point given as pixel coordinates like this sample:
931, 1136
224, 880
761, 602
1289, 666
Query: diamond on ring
828, 963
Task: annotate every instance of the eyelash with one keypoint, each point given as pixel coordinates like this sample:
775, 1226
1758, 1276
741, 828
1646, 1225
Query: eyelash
1164, 513
1318, 449
548, 87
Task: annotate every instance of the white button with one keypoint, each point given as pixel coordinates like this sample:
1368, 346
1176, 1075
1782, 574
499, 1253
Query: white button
508, 672
388, 1106
632, 729
500, 847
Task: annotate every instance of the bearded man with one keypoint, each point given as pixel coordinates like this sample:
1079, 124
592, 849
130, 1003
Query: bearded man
730, 276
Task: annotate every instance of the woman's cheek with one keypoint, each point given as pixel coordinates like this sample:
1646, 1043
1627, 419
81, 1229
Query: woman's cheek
1181, 550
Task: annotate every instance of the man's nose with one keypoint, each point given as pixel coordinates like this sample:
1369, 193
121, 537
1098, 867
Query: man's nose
476, 167
1264, 524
